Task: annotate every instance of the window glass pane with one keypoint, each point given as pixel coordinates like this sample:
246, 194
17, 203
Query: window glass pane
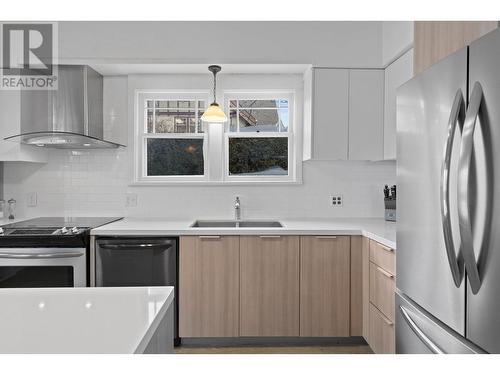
175, 121
254, 103
149, 103
201, 104
149, 121
258, 156
175, 104
233, 126
174, 157
263, 120
233, 103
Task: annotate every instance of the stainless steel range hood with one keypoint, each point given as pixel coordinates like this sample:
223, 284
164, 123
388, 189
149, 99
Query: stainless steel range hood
70, 117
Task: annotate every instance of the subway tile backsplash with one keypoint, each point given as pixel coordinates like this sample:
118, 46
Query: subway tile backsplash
96, 182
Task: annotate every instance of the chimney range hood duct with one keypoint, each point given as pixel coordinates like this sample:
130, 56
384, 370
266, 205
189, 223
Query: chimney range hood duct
70, 117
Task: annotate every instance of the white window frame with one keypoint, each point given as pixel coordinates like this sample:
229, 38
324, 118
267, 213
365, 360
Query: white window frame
291, 177
141, 135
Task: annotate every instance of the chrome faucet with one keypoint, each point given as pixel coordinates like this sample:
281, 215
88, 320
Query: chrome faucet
237, 209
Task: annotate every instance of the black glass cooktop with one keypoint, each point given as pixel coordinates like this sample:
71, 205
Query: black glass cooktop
59, 222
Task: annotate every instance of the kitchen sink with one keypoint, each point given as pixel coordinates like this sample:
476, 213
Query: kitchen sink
235, 224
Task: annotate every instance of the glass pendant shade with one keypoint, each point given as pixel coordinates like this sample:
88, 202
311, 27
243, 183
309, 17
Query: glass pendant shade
214, 114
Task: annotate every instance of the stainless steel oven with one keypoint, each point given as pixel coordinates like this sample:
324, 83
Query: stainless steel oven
42, 267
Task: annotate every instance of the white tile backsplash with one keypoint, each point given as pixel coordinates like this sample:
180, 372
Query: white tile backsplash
96, 182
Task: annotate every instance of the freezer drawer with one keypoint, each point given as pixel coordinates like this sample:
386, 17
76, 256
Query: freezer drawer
418, 332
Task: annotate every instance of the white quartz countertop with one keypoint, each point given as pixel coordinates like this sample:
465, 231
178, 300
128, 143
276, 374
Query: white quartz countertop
81, 320
376, 229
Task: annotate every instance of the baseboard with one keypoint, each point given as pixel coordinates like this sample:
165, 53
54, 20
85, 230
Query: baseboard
270, 341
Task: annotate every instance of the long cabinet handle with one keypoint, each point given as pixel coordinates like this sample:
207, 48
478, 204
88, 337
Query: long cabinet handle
386, 248
386, 321
209, 237
270, 236
385, 273
465, 225
326, 237
456, 116
420, 334
139, 246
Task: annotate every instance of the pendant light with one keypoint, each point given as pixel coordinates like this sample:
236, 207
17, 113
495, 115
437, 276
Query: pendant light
214, 113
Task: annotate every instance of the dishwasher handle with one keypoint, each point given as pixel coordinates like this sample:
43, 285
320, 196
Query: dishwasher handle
123, 246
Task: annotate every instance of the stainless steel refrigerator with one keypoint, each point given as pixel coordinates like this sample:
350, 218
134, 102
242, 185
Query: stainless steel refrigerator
448, 231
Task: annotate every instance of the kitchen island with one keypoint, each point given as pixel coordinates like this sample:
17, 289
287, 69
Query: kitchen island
87, 320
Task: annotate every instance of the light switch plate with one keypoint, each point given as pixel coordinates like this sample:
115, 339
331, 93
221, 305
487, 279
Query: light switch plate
31, 200
131, 200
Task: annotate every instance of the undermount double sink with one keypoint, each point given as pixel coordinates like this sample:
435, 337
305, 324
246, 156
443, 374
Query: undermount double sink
236, 224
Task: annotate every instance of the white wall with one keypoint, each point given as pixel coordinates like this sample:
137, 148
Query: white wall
397, 37
341, 44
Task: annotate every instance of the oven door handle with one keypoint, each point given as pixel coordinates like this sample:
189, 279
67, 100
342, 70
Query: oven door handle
41, 256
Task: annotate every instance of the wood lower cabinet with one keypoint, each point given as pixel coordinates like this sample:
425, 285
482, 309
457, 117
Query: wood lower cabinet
382, 288
209, 286
381, 332
379, 297
269, 286
325, 286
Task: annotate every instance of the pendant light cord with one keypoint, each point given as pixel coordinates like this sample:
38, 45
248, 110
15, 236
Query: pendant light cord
215, 85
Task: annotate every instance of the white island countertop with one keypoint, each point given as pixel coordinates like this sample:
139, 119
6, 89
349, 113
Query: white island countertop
81, 320
377, 229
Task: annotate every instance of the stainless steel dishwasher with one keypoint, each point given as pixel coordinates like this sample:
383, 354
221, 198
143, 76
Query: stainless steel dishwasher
138, 261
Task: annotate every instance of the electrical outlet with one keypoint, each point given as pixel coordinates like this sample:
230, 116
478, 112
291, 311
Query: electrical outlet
131, 200
31, 200
337, 200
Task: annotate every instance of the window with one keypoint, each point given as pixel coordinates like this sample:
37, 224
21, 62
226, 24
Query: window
259, 144
171, 137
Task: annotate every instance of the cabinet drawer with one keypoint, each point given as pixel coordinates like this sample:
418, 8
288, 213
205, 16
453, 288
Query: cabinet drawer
382, 339
383, 256
382, 290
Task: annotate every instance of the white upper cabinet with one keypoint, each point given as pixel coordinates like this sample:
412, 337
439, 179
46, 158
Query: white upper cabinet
366, 114
10, 124
396, 74
343, 114
330, 114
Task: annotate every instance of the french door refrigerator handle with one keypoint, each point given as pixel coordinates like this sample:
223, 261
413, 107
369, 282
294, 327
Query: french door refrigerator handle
466, 148
420, 334
456, 116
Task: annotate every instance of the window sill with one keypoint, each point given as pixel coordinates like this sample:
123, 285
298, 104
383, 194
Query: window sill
215, 183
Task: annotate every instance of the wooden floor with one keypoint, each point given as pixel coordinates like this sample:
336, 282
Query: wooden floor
337, 349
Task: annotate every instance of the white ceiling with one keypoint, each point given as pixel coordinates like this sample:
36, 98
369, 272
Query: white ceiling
125, 69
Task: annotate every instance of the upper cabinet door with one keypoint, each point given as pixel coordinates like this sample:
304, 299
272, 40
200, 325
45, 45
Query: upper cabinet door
434, 40
366, 114
396, 74
330, 118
